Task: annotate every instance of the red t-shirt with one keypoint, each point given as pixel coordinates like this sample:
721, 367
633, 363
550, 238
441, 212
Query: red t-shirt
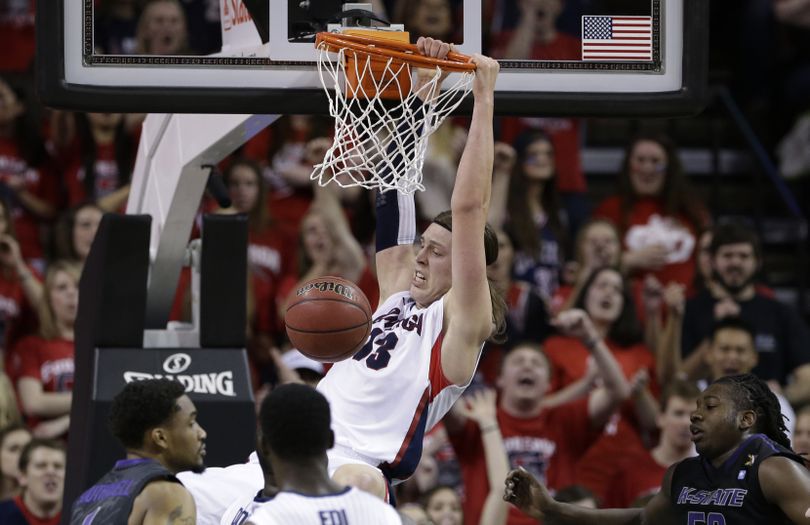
49, 361
646, 223
39, 183
17, 317
107, 178
620, 470
17, 35
548, 446
31, 518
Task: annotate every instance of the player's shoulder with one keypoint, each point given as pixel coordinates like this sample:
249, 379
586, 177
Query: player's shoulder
166, 492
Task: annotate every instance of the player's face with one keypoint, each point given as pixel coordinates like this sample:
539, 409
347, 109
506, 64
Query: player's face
732, 352
604, 300
735, 265
432, 274
524, 374
44, 478
600, 246
85, 226
674, 422
715, 422
10, 450
64, 298
648, 168
444, 508
243, 188
186, 438
801, 434
539, 161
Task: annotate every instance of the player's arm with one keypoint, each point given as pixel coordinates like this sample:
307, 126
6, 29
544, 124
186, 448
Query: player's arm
163, 503
786, 484
531, 497
469, 307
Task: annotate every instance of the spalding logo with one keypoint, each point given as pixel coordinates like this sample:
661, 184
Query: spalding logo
328, 286
176, 363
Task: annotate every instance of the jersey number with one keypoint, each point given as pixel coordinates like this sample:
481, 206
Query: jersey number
701, 518
377, 351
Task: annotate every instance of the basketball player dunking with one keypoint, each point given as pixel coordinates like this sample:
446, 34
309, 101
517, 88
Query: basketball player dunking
436, 310
745, 472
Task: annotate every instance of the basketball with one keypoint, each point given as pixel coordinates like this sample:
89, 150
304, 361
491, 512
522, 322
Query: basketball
328, 319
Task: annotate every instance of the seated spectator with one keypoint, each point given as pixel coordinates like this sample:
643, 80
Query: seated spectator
546, 441
74, 232
20, 288
639, 471
656, 213
731, 351
17, 36
13, 439
533, 217
428, 18
443, 505
801, 434
527, 317
42, 365
780, 336
287, 150
99, 161
42, 479
416, 513
327, 247
597, 244
162, 29
115, 23
536, 36
25, 183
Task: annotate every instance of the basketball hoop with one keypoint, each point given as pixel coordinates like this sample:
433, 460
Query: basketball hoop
382, 117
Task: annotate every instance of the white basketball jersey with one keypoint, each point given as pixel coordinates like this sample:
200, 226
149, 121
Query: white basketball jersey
216, 488
393, 390
350, 507
243, 508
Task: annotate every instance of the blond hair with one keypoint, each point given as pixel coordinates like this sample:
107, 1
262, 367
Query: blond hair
48, 328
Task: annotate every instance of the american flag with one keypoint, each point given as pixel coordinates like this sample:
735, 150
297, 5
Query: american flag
617, 38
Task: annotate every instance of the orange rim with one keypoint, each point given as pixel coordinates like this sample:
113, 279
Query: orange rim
402, 51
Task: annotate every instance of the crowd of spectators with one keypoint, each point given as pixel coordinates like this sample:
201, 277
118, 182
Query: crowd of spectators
619, 310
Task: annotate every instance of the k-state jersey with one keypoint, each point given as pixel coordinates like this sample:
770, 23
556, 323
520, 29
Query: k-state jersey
348, 507
243, 508
393, 390
730, 494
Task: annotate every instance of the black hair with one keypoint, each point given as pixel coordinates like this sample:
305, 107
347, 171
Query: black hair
734, 233
62, 233
141, 406
732, 323
295, 422
625, 331
89, 154
499, 308
574, 493
752, 393
35, 443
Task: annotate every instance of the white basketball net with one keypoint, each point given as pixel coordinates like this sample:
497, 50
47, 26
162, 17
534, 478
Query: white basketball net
382, 144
